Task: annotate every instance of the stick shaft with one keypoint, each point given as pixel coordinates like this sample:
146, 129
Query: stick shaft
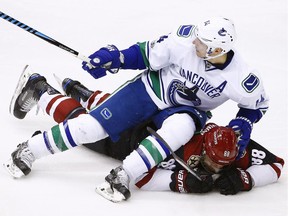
43, 36
176, 157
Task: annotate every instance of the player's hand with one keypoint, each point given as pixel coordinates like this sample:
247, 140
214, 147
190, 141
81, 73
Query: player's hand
233, 180
107, 58
185, 182
243, 128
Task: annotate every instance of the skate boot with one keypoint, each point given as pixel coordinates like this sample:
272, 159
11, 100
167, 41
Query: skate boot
21, 161
76, 90
116, 185
29, 89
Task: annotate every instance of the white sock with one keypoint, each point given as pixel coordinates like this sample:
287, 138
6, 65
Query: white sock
38, 147
134, 166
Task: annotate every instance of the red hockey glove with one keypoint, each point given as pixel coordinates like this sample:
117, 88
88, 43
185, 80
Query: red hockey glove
233, 180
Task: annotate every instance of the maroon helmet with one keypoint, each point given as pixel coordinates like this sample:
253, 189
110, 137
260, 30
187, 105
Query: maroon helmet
220, 144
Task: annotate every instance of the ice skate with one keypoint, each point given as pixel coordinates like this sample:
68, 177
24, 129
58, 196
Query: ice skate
76, 90
20, 162
28, 91
116, 186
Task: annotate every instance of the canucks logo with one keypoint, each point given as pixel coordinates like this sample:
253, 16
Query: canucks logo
222, 32
185, 31
178, 88
106, 113
250, 83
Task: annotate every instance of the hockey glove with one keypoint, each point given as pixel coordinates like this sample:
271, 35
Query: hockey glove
243, 128
107, 58
185, 182
233, 180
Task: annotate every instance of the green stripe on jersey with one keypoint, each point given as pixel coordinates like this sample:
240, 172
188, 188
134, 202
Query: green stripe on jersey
152, 149
143, 52
58, 138
155, 79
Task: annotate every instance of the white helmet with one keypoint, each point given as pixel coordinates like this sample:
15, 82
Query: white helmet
217, 32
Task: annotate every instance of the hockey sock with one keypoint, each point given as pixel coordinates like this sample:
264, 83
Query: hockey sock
67, 135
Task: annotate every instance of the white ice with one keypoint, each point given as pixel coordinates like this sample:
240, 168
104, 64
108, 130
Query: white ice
64, 184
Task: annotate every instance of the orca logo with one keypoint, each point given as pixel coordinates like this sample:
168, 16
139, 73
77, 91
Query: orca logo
222, 32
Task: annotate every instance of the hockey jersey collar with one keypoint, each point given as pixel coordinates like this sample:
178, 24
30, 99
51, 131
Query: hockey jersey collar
210, 66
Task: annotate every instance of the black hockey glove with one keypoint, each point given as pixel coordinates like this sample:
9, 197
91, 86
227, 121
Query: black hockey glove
233, 180
185, 182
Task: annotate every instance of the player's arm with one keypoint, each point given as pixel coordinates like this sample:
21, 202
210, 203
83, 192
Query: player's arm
253, 104
153, 54
265, 167
258, 167
112, 59
178, 181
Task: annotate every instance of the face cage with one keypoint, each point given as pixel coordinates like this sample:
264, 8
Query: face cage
211, 50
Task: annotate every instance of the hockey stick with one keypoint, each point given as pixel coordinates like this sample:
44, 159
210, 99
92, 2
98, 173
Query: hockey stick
44, 37
176, 157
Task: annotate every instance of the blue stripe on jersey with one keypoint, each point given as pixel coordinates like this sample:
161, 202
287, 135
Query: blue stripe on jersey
47, 143
166, 150
144, 158
68, 134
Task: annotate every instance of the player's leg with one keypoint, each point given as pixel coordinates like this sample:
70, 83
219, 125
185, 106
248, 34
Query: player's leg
33, 89
64, 136
77, 101
177, 130
129, 106
87, 98
29, 89
87, 128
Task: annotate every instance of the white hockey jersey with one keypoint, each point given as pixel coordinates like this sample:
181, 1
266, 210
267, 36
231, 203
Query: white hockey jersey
177, 76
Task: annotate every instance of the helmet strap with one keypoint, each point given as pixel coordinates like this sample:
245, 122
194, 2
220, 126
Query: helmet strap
209, 51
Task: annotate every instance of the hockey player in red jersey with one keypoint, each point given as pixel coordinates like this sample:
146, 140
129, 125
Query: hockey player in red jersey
211, 153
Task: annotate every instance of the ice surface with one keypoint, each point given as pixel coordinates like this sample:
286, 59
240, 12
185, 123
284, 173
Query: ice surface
64, 184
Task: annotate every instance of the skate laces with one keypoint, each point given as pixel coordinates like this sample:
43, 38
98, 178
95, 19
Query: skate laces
28, 98
24, 154
28, 104
119, 176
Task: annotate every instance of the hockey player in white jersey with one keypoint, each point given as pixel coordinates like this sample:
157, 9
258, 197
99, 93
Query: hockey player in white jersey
258, 167
194, 66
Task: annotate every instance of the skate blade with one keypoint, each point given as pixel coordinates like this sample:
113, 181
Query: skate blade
23, 79
59, 81
108, 193
13, 170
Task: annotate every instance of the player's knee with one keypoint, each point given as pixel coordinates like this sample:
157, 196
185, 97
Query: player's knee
86, 129
178, 129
